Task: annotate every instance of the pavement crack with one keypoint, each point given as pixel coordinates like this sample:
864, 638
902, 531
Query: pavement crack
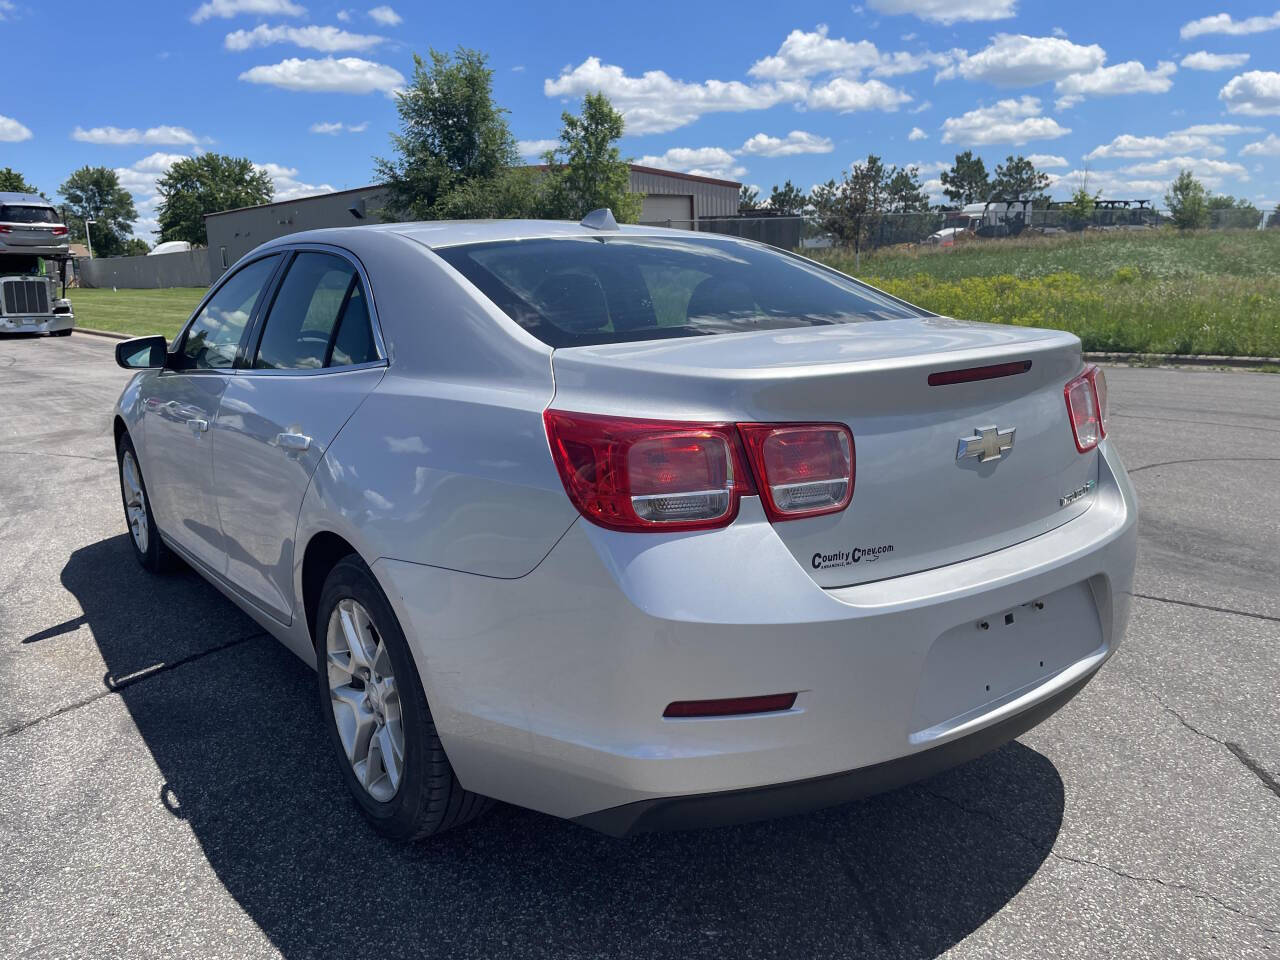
1178, 885
67, 456
116, 685
1208, 606
1174, 463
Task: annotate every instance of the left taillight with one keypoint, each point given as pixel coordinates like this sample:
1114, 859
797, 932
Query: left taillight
804, 469
59, 231
628, 474
1086, 398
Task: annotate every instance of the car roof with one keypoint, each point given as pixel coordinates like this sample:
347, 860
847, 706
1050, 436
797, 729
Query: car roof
448, 233
24, 200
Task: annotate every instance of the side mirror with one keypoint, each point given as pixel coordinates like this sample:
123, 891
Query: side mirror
141, 353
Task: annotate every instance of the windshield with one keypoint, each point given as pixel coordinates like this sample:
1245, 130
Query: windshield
11, 213
579, 291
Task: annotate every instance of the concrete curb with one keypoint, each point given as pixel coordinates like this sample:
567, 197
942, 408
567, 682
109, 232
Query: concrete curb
103, 333
1183, 359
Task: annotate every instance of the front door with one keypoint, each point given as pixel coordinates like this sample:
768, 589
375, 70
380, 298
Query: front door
180, 408
313, 362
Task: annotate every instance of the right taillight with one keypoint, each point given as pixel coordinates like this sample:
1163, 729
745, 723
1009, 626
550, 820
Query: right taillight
1086, 397
803, 469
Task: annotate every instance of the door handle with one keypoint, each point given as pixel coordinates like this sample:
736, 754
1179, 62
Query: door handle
198, 426
293, 442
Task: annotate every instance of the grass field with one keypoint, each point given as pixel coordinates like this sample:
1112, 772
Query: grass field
136, 312
1159, 291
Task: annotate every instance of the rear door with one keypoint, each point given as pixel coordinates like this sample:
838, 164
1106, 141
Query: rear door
180, 405
310, 361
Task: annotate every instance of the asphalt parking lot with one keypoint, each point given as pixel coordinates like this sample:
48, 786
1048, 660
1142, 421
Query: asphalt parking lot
167, 791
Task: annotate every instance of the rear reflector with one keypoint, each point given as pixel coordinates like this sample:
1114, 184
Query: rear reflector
733, 707
970, 374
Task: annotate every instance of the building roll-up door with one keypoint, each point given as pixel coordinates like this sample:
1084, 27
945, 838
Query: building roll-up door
658, 208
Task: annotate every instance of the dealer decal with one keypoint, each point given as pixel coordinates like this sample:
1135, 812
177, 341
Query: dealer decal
844, 558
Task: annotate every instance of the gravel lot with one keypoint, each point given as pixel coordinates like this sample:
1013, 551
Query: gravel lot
167, 791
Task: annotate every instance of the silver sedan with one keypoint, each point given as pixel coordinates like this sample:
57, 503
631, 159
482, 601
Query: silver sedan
638, 527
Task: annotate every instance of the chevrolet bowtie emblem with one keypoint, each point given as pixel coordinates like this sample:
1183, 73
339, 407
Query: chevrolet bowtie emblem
987, 443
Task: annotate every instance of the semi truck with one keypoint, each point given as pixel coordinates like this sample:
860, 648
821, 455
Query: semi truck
34, 251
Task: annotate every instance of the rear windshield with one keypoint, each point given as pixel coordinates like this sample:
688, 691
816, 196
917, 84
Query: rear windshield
11, 213
578, 291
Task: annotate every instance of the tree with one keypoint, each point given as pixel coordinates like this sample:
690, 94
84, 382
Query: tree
1187, 202
207, 183
11, 181
1274, 219
135, 247
1226, 211
586, 171
967, 181
788, 199
1079, 211
851, 209
904, 193
95, 193
453, 138
748, 199
1018, 179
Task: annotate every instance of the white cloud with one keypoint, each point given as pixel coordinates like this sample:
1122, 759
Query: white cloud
1210, 171
231, 8
1109, 182
1223, 23
1058, 32
1045, 161
386, 16
795, 142
333, 129
287, 186
11, 131
6, 6
115, 136
327, 39
158, 163
1270, 147
1218, 129
949, 11
805, 54
1129, 77
1127, 145
344, 16
1255, 94
327, 75
917, 134
535, 148
1203, 60
655, 102
846, 96
1016, 60
702, 161
140, 180
924, 105
1008, 121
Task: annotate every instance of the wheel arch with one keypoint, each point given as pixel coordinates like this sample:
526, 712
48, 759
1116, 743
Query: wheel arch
323, 551
119, 428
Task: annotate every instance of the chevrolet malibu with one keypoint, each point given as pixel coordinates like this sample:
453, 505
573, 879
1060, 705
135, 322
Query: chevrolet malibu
638, 527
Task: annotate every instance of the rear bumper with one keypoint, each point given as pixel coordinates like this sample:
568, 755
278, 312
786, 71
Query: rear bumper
804, 796
548, 691
44, 323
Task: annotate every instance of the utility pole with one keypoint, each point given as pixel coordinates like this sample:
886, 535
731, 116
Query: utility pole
87, 239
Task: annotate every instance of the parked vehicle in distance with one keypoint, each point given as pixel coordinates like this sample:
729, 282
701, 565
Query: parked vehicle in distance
638, 527
30, 225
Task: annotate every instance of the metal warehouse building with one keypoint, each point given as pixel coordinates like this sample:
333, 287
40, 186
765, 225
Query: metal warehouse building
670, 199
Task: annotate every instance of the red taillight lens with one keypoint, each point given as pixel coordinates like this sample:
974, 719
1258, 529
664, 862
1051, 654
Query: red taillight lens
804, 469
1086, 404
649, 474
59, 231
4, 229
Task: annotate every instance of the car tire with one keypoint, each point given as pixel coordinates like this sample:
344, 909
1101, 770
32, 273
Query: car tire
61, 333
425, 798
144, 536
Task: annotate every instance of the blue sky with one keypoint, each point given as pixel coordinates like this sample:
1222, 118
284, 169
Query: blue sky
756, 92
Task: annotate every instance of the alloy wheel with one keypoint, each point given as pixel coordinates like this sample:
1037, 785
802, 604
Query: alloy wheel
135, 502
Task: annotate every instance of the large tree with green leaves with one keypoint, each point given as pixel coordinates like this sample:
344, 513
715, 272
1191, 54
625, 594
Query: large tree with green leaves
788, 199
454, 153
94, 193
11, 181
1228, 211
903, 191
967, 180
851, 209
587, 171
1188, 202
1018, 179
207, 183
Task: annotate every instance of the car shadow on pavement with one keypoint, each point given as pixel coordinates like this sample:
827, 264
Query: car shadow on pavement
237, 738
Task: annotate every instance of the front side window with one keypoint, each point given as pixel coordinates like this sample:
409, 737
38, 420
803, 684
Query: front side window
214, 335
319, 317
579, 291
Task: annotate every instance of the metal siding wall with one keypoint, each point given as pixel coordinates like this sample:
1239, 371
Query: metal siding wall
187, 268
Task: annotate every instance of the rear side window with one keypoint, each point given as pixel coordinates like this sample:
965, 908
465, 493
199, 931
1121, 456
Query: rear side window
319, 318
11, 213
577, 291
214, 335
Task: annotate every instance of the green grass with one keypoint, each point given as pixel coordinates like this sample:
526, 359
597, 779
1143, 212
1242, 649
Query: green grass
136, 312
1159, 291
